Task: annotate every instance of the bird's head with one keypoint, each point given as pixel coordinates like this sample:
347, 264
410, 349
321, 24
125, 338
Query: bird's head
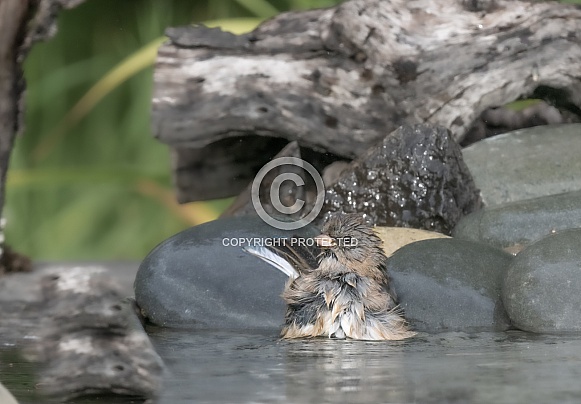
350, 241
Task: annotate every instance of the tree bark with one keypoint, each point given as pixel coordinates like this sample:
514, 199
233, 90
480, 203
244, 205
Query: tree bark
338, 80
22, 22
12, 20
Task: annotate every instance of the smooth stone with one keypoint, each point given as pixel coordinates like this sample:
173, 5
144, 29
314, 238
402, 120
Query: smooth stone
527, 163
521, 223
395, 238
193, 279
450, 285
542, 286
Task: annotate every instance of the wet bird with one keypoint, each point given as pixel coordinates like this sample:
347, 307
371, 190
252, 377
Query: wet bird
338, 285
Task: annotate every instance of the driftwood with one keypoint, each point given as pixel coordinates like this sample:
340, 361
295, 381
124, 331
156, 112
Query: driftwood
85, 338
338, 80
495, 121
22, 23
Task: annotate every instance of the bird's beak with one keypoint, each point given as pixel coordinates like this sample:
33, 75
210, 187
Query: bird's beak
325, 241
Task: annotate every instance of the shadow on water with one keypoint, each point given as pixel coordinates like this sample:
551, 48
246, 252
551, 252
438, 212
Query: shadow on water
205, 366
18, 376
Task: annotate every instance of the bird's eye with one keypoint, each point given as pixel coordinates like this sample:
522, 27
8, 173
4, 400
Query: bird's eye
331, 242
349, 242
325, 241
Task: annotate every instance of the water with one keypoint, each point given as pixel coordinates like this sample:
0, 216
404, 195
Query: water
515, 367
232, 367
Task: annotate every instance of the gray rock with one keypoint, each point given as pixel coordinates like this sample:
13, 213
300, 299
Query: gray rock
414, 178
527, 163
542, 286
450, 285
193, 279
523, 222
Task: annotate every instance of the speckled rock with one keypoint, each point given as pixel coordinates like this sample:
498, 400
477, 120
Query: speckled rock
414, 178
193, 279
527, 163
450, 285
542, 286
521, 223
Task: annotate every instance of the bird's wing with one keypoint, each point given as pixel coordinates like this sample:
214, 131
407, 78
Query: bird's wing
301, 256
291, 258
265, 254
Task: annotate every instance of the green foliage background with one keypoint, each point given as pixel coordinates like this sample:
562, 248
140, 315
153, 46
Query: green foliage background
87, 179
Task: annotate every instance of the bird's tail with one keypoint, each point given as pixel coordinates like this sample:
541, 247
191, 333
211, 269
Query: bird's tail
273, 259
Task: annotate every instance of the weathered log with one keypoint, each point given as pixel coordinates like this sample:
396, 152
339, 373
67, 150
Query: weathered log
336, 80
22, 22
73, 321
216, 163
495, 121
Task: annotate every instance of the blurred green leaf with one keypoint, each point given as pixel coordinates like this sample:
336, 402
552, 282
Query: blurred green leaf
260, 8
235, 25
522, 104
55, 177
306, 4
139, 60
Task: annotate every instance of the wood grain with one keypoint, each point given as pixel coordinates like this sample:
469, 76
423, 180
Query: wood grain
338, 80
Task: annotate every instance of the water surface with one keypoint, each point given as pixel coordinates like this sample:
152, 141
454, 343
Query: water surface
514, 367
232, 367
